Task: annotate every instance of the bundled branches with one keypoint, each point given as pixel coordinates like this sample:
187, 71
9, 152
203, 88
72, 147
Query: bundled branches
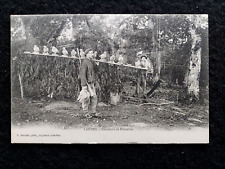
57, 77
48, 76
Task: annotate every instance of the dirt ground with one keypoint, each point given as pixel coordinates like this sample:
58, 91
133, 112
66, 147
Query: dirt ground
157, 113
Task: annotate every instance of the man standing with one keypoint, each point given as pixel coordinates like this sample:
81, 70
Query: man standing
88, 96
144, 62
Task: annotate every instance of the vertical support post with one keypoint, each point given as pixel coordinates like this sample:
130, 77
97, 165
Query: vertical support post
21, 85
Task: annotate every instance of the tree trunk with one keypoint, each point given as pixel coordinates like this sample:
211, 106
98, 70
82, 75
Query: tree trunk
158, 65
195, 66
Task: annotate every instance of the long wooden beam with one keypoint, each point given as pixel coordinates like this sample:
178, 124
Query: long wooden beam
113, 63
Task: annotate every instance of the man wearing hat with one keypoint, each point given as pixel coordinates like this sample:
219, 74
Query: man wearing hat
142, 61
88, 96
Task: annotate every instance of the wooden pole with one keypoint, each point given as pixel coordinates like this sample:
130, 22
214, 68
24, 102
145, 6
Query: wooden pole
156, 85
21, 86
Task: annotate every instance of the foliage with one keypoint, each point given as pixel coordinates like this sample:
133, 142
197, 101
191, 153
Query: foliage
46, 76
116, 34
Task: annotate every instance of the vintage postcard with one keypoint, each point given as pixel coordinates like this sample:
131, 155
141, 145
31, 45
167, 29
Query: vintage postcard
109, 78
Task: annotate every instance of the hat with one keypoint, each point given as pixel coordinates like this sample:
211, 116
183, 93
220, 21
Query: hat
86, 51
143, 55
139, 54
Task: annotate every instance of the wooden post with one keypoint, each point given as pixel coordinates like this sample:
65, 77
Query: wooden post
144, 76
21, 86
138, 83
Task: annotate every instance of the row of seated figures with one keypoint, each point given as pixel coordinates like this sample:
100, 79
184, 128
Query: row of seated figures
55, 51
143, 62
73, 53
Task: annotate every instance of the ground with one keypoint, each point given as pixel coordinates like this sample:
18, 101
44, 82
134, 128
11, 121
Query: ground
157, 113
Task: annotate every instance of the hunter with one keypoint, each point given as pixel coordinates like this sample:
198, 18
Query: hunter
144, 62
89, 84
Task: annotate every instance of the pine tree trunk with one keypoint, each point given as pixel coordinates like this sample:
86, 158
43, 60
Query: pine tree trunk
158, 65
195, 66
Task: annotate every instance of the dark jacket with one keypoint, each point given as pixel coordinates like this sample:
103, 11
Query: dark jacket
87, 72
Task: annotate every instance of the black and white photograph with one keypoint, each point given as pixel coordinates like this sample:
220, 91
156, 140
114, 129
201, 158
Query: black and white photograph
110, 78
